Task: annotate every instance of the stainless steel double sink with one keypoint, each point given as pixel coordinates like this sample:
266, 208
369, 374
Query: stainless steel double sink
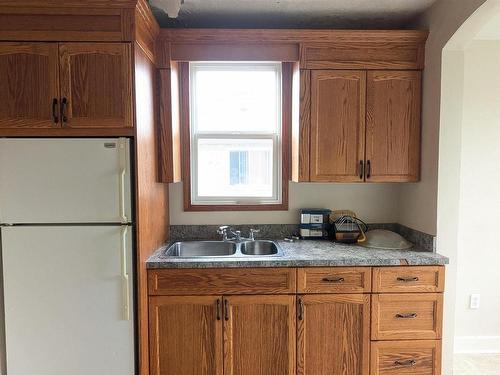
197, 249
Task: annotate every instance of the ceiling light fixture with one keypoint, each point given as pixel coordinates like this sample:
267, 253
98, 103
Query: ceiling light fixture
171, 7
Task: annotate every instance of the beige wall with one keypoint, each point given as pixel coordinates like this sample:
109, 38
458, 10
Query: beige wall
446, 66
479, 200
374, 203
418, 202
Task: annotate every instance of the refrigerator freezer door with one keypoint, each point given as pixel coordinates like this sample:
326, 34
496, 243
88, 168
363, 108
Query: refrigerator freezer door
64, 302
64, 181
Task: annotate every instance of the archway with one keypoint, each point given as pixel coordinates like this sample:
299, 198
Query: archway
469, 176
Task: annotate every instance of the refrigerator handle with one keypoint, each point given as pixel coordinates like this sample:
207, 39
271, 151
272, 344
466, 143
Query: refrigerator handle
123, 171
124, 274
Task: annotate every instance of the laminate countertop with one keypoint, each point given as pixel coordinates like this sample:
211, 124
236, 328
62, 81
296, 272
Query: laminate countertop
305, 253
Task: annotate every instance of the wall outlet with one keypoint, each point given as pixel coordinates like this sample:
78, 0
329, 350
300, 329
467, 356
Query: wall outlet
475, 299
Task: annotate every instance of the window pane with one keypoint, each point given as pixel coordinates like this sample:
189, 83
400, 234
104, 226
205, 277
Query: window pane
229, 98
235, 168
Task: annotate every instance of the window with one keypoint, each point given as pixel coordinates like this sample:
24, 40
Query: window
235, 133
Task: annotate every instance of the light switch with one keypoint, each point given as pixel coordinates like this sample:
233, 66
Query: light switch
475, 299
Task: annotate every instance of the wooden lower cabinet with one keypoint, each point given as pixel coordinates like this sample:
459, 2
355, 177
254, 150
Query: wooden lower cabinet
212, 335
296, 321
407, 316
421, 357
185, 335
259, 335
333, 334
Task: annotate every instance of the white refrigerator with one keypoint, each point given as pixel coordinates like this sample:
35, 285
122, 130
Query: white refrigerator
67, 256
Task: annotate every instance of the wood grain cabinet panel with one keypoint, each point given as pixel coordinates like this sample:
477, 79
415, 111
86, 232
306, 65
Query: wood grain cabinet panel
406, 358
334, 280
333, 334
363, 55
96, 83
407, 316
428, 279
222, 281
29, 85
259, 335
337, 125
185, 335
393, 126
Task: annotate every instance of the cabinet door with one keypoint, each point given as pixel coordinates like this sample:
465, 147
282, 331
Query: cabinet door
337, 125
30, 84
96, 85
259, 335
333, 334
393, 126
185, 335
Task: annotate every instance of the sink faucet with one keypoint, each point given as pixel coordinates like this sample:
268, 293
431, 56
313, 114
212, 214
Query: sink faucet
223, 231
252, 233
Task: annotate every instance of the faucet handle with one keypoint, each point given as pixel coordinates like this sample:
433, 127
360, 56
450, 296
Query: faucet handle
222, 229
252, 233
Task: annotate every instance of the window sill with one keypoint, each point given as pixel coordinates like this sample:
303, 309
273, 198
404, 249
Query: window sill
235, 207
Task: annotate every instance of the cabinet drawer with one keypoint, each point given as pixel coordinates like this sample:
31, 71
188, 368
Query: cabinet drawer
334, 280
408, 279
222, 281
406, 358
407, 316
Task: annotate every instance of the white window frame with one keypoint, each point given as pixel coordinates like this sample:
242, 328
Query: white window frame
195, 135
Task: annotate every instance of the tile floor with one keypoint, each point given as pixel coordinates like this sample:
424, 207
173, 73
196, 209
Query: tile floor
476, 364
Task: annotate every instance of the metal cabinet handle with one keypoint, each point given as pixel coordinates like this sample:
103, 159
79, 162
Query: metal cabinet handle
123, 170
64, 103
218, 309
407, 316
408, 363
333, 279
226, 309
368, 169
361, 169
125, 275
300, 309
55, 114
407, 279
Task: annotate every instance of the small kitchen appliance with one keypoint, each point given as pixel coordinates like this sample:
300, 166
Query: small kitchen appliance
314, 223
346, 227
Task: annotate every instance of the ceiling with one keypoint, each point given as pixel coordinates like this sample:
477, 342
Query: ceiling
339, 14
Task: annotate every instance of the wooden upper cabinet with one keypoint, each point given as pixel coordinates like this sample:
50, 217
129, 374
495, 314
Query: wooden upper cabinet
259, 335
30, 84
185, 335
333, 334
96, 85
393, 126
337, 125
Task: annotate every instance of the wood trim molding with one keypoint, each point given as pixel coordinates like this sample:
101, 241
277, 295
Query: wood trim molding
301, 126
90, 20
65, 24
291, 35
234, 52
70, 3
185, 141
67, 132
317, 49
151, 204
146, 29
169, 146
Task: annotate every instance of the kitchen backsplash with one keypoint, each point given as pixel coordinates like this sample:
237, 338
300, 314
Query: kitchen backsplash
422, 240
